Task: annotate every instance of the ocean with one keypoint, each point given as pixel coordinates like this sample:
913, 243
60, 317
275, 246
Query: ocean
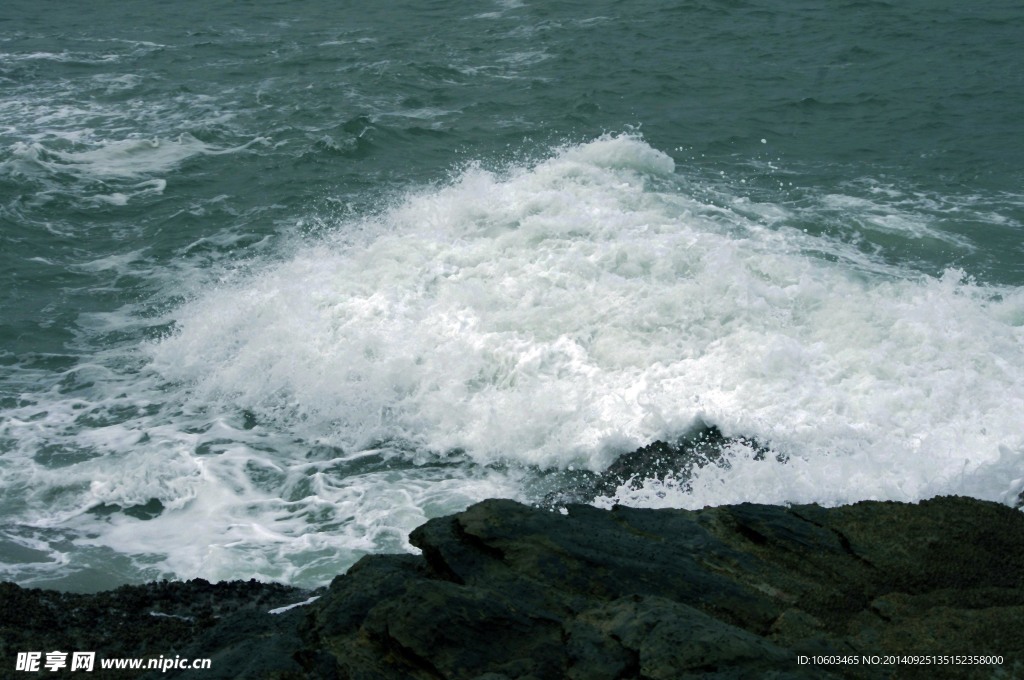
280, 281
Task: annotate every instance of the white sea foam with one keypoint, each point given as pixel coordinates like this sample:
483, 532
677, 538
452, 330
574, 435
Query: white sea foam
564, 312
289, 607
131, 158
886, 217
406, 365
127, 165
70, 57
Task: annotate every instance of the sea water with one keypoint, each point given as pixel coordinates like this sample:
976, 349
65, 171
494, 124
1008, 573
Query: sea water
281, 281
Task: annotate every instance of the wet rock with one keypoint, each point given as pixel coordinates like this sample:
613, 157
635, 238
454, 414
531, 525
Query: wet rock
507, 591
504, 591
678, 459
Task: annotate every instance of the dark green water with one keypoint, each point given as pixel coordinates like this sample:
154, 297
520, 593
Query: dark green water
279, 280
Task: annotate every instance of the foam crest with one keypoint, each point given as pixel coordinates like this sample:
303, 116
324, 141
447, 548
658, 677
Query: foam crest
465, 297
555, 315
620, 152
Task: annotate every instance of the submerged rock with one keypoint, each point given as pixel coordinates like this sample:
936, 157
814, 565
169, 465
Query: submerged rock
506, 591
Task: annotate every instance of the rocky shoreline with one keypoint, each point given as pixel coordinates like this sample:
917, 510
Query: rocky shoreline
505, 591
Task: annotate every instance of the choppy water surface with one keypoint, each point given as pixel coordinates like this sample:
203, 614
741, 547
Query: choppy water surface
279, 283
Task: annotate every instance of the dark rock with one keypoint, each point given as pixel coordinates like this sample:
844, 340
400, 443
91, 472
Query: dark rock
678, 459
504, 591
507, 591
148, 621
699, 447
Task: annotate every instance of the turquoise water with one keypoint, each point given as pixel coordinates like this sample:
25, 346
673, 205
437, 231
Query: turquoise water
280, 281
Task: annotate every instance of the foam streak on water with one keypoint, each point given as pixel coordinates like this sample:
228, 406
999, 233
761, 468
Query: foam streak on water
546, 316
